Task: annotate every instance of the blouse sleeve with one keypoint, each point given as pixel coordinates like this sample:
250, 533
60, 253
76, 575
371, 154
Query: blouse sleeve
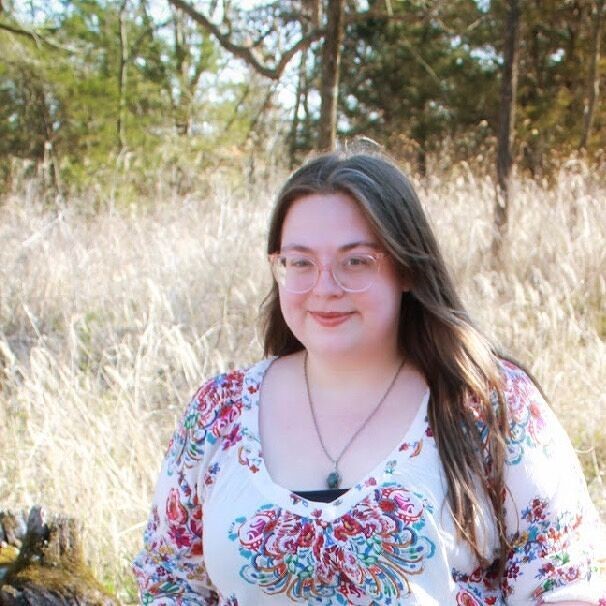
170, 568
552, 526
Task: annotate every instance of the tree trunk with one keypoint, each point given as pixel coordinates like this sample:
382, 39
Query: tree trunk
331, 56
593, 79
52, 171
509, 81
182, 54
422, 142
42, 562
534, 143
122, 74
307, 122
316, 12
294, 127
246, 52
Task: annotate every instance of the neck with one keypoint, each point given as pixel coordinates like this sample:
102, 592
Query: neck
352, 373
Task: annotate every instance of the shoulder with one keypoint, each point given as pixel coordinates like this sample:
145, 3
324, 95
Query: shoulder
528, 423
523, 398
216, 401
533, 427
216, 407
516, 384
219, 401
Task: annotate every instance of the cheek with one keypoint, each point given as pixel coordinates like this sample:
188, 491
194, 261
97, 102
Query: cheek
291, 306
386, 305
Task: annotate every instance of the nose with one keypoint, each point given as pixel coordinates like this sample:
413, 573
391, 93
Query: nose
326, 284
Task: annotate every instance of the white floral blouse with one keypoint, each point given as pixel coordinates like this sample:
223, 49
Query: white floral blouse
222, 532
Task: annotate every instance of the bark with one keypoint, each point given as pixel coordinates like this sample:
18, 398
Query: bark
533, 145
294, 127
51, 168
183, 59
33, 36
43, 562
593, 79
509, 81
122, 76
316, 12
422, 143
246, 53
187, 70
331, 57
307, 123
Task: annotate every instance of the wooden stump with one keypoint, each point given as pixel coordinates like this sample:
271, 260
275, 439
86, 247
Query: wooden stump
42, 562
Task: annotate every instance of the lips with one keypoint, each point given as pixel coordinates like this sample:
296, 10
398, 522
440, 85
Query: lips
330, 318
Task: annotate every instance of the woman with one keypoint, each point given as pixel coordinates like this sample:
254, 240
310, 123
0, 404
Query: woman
383, 453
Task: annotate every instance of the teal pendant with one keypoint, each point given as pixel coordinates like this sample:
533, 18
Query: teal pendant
333, 480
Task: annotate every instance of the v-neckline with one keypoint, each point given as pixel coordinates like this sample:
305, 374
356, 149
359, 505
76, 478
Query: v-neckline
377, 477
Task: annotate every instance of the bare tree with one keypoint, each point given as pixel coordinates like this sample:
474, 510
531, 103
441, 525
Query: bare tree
509, 83
122, 77
593, 78
188, 71
301, 97
331, 56
308, 16
247, 52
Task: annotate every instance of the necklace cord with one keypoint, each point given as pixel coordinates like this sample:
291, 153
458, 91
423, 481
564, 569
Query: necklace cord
334, 478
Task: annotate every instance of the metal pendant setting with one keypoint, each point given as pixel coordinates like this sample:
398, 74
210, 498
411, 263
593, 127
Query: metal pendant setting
333, 480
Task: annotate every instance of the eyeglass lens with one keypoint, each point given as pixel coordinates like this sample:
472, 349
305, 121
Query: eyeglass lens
300, 273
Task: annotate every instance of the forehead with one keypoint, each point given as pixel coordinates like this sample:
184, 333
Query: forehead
326, 221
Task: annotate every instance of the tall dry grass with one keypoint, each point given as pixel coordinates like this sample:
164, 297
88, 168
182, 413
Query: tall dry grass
109, 321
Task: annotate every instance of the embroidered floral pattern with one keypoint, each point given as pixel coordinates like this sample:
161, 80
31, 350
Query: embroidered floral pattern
386, 545
478, 588
249, 458
176, 552
413, 449
526, 411
547, 538
212, 412
369, 553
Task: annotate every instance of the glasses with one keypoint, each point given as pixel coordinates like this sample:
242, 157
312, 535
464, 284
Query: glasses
299, 273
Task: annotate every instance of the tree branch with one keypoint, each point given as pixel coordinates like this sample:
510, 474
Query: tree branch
34, 36
246, 52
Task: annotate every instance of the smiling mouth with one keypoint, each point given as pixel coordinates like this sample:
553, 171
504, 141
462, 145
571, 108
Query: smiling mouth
330, 318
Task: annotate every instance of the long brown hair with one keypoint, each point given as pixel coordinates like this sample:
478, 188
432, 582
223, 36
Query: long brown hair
435, 331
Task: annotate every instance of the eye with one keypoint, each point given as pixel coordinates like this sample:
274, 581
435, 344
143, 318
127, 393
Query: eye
356, 262
297, 262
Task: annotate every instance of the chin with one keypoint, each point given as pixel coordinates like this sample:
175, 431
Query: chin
334, 347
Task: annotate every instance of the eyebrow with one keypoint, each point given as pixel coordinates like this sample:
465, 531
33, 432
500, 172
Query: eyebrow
344, 248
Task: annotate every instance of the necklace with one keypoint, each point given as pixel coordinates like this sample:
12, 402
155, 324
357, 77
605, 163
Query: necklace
333, 480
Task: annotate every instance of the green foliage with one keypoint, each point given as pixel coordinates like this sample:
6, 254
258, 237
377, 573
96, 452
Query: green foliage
90, 88
21, 112
66, 105
423, 73
555, 54
430, 73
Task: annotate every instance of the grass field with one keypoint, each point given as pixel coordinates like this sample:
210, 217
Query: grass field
110, 320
